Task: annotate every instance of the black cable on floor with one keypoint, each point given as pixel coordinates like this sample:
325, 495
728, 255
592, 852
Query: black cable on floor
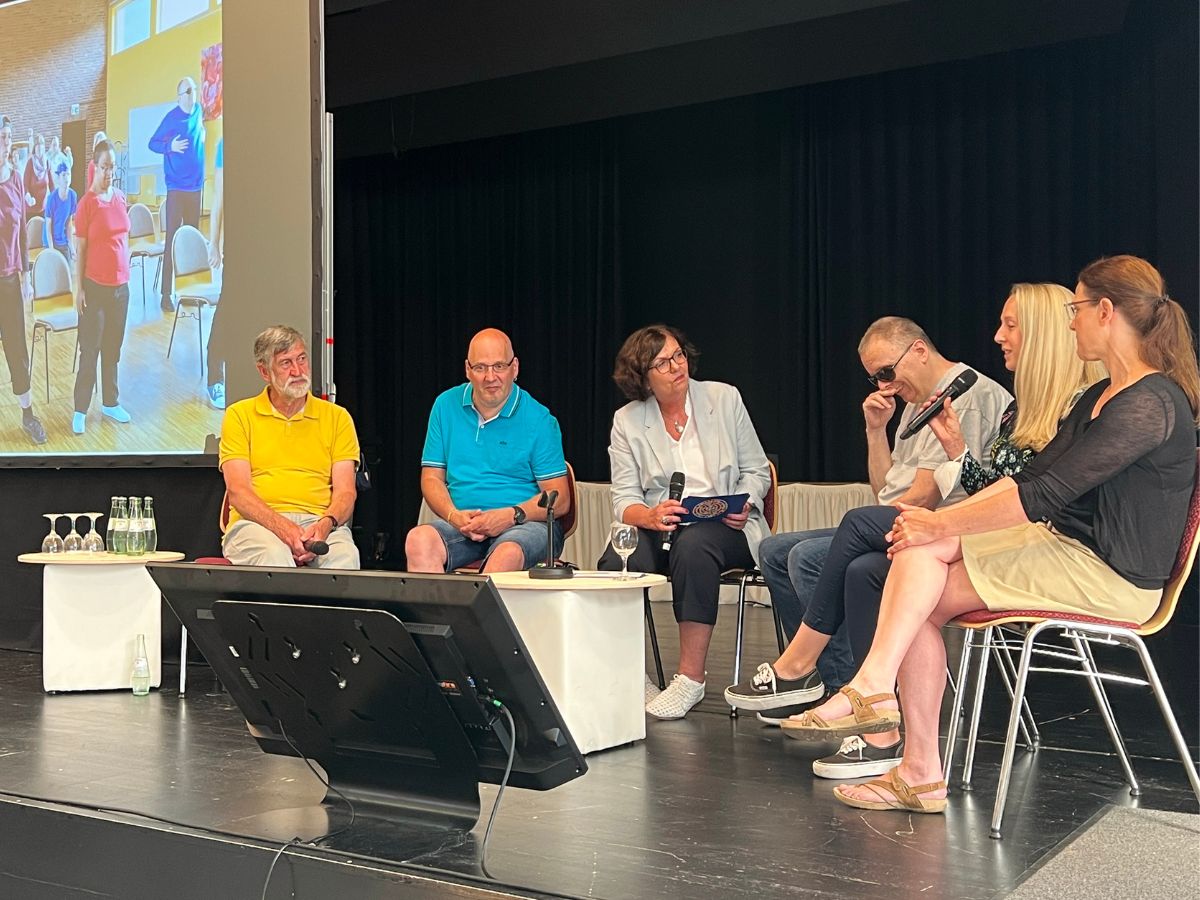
296, 842
512, 751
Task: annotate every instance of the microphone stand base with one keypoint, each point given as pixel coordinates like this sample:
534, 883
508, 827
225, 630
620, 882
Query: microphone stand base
542, 571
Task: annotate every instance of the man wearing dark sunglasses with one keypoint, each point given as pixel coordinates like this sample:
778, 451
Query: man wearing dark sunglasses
180, 140
902, 363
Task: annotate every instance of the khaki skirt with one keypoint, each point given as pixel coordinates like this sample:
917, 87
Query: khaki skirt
1032, 566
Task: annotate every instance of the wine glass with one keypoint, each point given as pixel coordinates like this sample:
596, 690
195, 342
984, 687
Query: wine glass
52, 543
92, 542
73, 542
624, 541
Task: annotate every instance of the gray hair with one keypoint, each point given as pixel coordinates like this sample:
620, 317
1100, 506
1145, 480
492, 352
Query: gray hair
276, 339
896, 330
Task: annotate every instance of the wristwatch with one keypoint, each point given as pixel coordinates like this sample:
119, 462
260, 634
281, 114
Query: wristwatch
518, 516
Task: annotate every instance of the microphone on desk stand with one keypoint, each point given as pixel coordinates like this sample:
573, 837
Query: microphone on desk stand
549, 568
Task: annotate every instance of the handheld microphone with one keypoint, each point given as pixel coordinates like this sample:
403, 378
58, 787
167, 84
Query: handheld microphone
318, 548
956, 388
674, 492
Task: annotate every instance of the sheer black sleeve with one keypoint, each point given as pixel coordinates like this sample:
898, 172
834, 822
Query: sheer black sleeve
1085, 453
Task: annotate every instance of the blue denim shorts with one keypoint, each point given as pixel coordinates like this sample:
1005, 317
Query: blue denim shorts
531, 536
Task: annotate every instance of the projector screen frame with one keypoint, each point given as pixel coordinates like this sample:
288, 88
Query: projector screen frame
251, 102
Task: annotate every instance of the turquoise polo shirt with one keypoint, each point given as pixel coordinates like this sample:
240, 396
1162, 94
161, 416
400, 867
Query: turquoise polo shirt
493, 464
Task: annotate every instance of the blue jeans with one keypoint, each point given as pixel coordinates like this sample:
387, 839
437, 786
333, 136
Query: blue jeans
791, 565
530, 537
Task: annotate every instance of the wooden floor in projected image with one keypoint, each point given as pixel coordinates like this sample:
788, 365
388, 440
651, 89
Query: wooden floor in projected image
166, 398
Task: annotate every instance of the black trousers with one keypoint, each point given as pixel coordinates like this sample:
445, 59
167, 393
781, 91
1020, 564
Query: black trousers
12, 332
101, 333
218, 344
850, 588
701, 552
183, 208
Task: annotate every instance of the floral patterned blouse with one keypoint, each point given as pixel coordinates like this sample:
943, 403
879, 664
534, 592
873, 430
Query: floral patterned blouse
1007, 457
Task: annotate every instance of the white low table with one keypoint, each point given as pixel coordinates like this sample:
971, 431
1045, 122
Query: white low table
585, 635
93, 607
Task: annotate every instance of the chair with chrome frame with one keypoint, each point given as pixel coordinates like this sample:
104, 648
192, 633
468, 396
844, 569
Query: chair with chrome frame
35, 236
567, 521
142, 243
753, 577
53, 307
191, 282
1022, 629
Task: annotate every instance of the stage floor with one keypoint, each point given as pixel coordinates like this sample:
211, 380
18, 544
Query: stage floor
704, 807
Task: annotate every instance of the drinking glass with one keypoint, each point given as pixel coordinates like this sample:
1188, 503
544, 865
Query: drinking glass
624, 541
52, 543
92, 542
73, 542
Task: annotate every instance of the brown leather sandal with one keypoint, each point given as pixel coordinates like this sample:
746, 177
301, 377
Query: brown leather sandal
903, 796
864, 719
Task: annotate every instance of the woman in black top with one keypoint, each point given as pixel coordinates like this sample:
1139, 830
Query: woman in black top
1091, 525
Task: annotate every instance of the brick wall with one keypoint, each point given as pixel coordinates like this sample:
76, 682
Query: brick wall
53, 56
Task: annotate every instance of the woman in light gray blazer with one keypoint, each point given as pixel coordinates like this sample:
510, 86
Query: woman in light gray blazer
702, 429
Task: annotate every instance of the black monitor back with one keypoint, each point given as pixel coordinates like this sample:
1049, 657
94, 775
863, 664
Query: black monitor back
459, 626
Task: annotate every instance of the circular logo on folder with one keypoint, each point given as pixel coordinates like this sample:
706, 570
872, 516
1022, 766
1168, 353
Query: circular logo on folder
710, 509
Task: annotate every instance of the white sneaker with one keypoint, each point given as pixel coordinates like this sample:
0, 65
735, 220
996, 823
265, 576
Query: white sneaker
652, 691
679, 697
116, 413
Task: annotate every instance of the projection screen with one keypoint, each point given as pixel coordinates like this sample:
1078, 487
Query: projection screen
180, 231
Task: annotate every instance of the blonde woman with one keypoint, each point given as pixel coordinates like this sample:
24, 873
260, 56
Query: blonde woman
1048, 377
1039, 349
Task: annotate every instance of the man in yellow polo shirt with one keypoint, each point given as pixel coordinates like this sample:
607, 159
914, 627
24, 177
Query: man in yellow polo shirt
288, 459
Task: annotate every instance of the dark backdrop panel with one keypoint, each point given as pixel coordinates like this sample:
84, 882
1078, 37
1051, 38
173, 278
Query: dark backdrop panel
773, 228
187, 503
515, 233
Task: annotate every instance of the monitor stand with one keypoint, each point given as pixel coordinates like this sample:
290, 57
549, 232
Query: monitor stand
351, 692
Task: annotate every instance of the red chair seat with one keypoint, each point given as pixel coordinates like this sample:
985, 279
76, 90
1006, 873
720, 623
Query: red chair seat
981, 618
212, 561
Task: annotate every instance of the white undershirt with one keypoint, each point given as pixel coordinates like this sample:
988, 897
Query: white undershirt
689, 459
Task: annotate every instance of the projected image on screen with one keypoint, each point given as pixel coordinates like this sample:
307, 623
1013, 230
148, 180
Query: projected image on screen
111, 227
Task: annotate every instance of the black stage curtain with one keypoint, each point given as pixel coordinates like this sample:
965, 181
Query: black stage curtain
772, 228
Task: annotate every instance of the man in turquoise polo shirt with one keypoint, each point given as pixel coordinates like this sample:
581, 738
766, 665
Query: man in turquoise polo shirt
490, 452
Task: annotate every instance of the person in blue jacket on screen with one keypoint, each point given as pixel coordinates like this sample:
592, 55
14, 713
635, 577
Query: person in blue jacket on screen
180, 139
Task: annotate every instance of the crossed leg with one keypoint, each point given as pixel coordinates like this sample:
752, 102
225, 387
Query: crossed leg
926, 587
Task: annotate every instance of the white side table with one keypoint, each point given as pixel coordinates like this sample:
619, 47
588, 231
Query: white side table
585, 636
93, 607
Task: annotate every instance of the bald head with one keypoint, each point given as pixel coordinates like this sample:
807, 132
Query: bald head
492, 343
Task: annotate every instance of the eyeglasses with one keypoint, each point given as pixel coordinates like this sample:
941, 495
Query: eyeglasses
888, 373
1073, 307
484, 368
186, 93
662, 366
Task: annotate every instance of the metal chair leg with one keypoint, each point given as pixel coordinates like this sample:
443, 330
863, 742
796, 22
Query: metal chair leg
780, 637
1110, 722
1181, 746
1008, 674
1010, 738
1026, 713
183, 662
200, 335
737, 646
174, 324
964, 663
976, 710
662, 682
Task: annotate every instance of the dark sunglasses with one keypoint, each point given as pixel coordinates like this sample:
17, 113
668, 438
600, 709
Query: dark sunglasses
888, 373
